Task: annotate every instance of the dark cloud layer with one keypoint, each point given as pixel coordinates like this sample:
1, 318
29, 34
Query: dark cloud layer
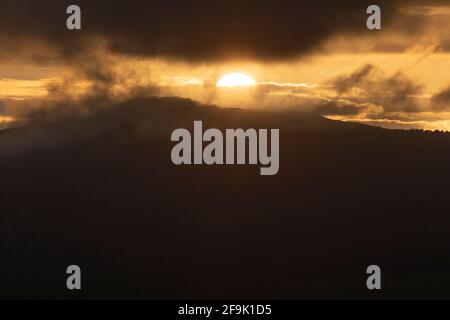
194, 30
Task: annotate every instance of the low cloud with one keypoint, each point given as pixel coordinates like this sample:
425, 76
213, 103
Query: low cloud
368, 84
441, 101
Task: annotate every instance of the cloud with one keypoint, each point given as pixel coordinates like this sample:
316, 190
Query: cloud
368, 84
344, 83
441, 101
193, 30
426, 10
338, 108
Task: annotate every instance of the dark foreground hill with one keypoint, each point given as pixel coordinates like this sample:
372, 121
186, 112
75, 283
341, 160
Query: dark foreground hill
102, 193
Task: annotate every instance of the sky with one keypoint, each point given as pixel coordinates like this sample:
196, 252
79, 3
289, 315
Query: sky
316, 56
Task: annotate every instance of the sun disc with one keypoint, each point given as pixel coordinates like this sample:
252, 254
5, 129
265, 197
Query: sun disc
232, 80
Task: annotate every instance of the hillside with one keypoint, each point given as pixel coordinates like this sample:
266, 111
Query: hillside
100, 191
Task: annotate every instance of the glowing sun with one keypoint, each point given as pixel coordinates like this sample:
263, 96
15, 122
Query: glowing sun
232, 80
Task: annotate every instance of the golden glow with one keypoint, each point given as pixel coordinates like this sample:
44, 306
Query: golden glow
232, 80
299, 83
21, 89
6, 119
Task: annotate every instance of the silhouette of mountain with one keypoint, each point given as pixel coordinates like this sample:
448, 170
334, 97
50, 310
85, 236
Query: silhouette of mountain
101, 192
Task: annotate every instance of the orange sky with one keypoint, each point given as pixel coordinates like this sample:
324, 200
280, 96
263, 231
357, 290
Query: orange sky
409, 70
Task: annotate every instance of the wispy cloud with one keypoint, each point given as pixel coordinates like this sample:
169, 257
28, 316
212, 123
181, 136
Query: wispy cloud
426, 10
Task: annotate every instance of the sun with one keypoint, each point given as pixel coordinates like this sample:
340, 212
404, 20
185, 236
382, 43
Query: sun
232, 80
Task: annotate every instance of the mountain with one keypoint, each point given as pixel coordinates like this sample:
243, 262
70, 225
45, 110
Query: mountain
101, 192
